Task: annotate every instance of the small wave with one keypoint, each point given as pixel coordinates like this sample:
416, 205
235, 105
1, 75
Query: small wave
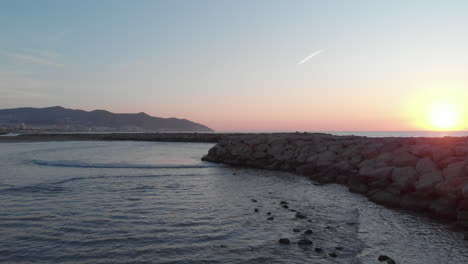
77, 164
39, 188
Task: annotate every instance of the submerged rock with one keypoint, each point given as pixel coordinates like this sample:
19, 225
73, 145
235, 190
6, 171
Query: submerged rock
300, 216
386, 258
304, 242
284, 241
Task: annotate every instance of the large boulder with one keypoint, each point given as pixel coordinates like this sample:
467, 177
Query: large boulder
405, 177
358, 183
462, 212
441, 152
461, 151
258, 155
445, 207
421, 150
376, 173
455, 170
326, 158
404, 159
426, 165
415, 201
464, 191
307, 169
240, 150
428, 181
451, 186
447, 161
383, 159
384, 197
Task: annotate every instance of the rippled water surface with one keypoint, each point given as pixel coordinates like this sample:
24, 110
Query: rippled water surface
141, 202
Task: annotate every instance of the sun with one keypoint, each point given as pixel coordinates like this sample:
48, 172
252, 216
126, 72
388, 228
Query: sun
444, 117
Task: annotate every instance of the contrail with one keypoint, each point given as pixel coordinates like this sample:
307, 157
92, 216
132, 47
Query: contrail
313, 54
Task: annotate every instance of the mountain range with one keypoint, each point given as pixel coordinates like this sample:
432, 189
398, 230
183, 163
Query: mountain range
58, 118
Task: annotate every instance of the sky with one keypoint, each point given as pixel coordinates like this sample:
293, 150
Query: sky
245, 65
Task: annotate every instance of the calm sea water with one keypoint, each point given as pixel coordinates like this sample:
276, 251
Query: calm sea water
141, 202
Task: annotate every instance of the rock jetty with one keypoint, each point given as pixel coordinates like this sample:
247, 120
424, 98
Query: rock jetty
423, 174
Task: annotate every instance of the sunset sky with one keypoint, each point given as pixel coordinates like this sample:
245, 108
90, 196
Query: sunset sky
244, 65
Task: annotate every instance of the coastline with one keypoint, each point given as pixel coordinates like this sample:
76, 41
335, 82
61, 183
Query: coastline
156, 137
427, 175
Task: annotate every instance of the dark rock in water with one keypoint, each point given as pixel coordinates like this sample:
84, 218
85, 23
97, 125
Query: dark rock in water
285, 206
270, 218
304, 242
358, 184
300, 216
296, 230
283, 202
253, 200
318, 250
308, 232
256, 210
284, 241
333, 255
269, 213
386, 258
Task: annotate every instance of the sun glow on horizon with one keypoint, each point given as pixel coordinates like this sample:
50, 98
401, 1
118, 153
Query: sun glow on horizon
438, 109
444, 117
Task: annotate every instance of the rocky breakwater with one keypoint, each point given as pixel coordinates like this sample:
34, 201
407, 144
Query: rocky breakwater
423, 174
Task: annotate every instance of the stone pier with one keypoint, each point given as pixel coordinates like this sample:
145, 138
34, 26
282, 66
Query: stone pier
423, 174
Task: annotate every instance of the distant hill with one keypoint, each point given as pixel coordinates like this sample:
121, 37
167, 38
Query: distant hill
58, 118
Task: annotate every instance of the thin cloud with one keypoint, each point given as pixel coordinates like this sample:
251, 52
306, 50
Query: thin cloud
313, 54
33, 59
43, 53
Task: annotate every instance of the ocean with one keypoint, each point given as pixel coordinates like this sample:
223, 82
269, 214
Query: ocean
147, 202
